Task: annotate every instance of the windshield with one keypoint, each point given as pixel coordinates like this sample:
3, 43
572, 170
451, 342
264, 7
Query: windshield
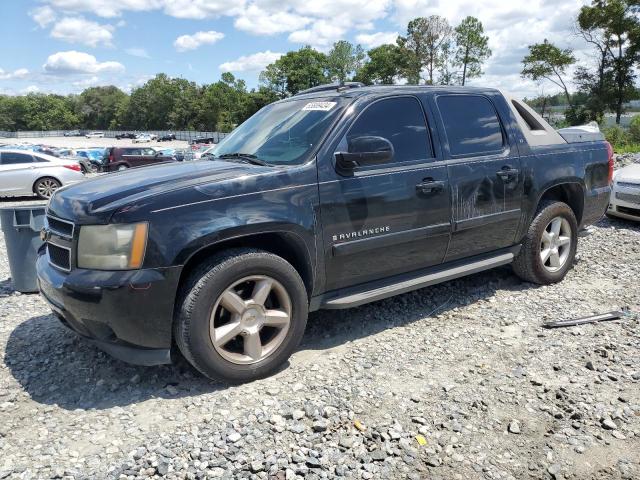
282, 133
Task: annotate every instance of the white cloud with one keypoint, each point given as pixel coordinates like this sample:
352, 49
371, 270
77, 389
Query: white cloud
193, 9
73, 63
137, 52
371, 40
18, 74
83, 31
321, 35
43, 16
191, 42
256, 20
87, 82
30, 89
251, 63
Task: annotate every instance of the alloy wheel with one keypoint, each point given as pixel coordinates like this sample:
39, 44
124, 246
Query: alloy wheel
46, 187
250, 320
555, 245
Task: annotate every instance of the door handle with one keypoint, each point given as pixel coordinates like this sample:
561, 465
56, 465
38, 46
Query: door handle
429, 185
508, 174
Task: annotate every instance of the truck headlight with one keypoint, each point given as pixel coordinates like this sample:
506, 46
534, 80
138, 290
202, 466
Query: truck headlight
112, 247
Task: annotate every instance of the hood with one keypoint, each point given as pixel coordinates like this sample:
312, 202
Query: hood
101, 196
630, 173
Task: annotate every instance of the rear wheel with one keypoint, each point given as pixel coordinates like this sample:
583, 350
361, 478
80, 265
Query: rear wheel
122, 168
45, 187
549, 247
241, 314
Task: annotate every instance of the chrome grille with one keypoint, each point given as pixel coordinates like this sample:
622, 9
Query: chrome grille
628, 197
60, 227
60, 242
628, 184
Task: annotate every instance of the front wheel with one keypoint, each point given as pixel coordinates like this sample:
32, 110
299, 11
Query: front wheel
241, 314
549, 247
45, 187
122, 168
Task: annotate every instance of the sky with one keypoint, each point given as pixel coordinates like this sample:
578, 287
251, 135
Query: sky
65, 46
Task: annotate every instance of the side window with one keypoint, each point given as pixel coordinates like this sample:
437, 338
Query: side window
401, 121
132, 151
11, 158
148, 151
471, 124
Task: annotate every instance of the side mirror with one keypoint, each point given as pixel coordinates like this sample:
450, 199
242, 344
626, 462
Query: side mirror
364, 151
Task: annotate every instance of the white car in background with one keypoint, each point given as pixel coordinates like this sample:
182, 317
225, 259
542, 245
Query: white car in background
625, 193
95, 135
31, 173
142, 138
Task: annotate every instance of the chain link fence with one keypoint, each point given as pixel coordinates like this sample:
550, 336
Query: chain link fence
187, 135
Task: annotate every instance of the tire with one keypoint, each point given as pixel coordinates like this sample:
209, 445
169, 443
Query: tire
528, 264
200, 307
122, 168
45, 187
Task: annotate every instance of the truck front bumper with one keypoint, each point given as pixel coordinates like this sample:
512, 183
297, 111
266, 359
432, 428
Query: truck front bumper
128, 314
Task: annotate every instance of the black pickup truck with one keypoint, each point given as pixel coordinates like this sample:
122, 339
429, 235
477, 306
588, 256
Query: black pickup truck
329, 199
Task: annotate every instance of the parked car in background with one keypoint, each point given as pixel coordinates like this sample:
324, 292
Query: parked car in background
72, 133
122, 158
33, 173
142, 138
167, 138
127, 135
203, 141
95, 135
625, 193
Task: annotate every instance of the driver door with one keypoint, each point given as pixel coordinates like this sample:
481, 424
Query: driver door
387, 219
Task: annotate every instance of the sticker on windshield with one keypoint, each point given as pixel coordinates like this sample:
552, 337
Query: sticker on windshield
318, 106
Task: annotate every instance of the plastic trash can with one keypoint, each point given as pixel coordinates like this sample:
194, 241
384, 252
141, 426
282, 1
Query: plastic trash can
21, 228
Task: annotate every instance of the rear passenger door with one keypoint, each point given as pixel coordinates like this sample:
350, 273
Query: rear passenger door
17, 173
132, 156
484, 172
387, 219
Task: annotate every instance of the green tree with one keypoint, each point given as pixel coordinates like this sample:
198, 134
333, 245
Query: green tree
612, 26
472, 48
97, 106
545, 61
422, 47
382, 66
296, 71
344, 59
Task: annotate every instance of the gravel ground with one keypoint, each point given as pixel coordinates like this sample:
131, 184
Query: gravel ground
457, 381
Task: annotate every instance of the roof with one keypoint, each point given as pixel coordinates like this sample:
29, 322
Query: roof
391, 89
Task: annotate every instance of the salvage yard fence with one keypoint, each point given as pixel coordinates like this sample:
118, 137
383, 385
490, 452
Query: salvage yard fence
187, 135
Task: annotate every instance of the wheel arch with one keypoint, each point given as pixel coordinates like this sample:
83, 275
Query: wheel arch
41, 177
287, 245
571, 193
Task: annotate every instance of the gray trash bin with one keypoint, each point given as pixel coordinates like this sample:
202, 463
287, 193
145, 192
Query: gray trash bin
21, 228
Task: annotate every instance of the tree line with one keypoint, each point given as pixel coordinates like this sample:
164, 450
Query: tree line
430, 52
612, 29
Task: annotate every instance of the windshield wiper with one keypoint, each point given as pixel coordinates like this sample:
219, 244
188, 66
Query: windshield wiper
245, 157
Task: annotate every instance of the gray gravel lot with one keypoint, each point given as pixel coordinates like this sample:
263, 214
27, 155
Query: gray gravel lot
457, 381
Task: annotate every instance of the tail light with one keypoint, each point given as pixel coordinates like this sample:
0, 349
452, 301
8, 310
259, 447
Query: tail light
75, 167
610, 154
111, 158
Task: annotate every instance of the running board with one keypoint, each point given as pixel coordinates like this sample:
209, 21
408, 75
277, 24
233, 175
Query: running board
421, 281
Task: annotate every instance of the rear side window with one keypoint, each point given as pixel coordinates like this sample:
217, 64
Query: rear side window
401, 121
131, 151
11, 158
471, 124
